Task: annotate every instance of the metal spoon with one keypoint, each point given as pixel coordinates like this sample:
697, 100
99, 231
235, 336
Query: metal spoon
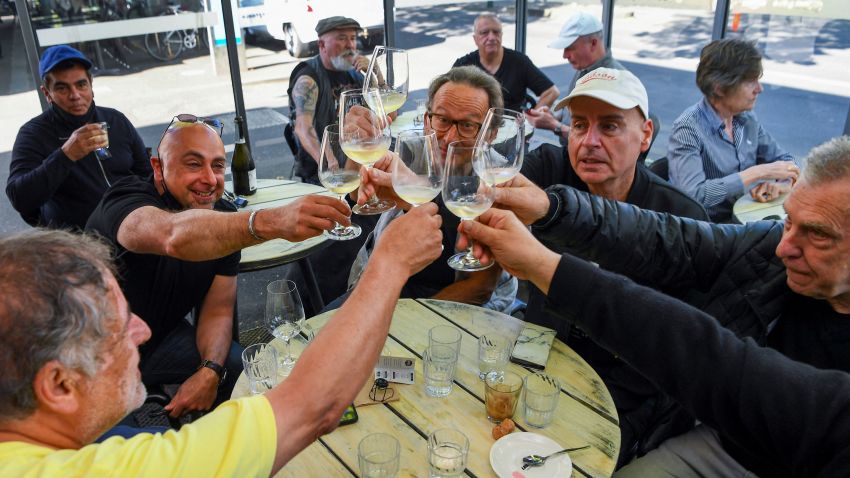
537, 460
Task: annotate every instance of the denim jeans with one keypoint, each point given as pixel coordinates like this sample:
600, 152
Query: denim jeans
177, 358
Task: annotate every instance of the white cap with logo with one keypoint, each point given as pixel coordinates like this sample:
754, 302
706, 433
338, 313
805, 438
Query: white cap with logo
618, 88
577, 25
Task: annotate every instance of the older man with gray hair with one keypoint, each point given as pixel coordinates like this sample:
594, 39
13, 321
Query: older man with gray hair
784, 284
584, 48
69, 353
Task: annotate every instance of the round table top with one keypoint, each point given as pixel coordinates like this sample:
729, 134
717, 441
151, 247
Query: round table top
585, 414
276, 252
746, 209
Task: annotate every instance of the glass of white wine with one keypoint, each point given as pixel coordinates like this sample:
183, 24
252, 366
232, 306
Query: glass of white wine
418, 172
502, 144
364, 135
284, 314
338, 175
388, 73
465, 194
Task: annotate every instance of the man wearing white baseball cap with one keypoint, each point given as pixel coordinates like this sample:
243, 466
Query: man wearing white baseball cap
581, 39
609, 129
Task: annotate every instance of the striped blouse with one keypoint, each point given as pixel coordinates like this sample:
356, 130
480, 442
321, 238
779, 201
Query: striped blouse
706, 165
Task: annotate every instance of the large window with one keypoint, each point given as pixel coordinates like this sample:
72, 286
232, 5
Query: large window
806, 48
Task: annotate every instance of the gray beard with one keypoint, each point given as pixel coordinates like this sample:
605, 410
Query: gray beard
341, 63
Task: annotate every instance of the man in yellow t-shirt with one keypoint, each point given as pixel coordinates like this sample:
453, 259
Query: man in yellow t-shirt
69, 355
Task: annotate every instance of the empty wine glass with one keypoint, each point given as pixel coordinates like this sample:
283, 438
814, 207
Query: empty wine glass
284, 314
388, 74
417, 174
502, 144
465, 194
364, 135
340, 176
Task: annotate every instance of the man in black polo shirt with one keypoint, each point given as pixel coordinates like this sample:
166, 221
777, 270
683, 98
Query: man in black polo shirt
178, 249
609, 129
512, 69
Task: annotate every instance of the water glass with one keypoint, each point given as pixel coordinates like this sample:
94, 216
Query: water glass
438, 364
541, 399
493, 354
501, 395
103, 153
378, 456
445, 335
447, 453
260, 364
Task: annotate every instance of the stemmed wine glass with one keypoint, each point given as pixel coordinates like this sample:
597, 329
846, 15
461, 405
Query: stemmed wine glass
465, 194
284, 314
388, 74
502, 144
338, 175
418, 174
364, 135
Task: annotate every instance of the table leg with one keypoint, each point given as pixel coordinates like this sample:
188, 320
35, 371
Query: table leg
312, 285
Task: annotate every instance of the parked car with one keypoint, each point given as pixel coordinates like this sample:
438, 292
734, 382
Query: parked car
294, 22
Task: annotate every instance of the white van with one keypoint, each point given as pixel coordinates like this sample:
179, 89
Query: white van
294, 21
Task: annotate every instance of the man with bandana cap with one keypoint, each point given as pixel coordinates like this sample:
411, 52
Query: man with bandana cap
315, 85
56, 178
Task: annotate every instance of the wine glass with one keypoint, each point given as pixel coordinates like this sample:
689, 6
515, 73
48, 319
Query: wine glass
418, 174
388, 74
340, 176
465, 194
364, 135
502, 143
284, 314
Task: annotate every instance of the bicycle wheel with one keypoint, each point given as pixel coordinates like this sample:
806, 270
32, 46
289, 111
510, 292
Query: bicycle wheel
164, 46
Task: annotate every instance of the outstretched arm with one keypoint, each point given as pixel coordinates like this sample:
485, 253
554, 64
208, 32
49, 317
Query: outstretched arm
354, 336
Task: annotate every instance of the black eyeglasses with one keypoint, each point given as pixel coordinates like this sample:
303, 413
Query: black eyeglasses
465, 128
381, 391
186, 119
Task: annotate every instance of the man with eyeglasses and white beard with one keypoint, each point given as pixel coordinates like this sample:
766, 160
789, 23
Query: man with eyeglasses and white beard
315, 85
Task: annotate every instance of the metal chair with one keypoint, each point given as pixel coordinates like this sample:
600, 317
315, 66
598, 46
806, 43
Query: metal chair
661, 168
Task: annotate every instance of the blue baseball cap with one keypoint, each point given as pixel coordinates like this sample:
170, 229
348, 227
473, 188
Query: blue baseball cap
57, 54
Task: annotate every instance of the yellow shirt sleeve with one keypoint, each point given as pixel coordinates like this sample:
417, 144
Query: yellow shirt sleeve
238, 439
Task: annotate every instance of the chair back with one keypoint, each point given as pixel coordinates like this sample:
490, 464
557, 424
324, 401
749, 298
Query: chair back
656, 127
661, 168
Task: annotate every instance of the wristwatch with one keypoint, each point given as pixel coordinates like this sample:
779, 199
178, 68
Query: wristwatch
217, 368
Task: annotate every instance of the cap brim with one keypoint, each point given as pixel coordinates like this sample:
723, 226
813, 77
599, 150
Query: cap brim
611, 97
560, 43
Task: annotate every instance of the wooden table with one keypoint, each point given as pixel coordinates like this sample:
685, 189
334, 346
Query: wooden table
277, 252
746, 209
585, 413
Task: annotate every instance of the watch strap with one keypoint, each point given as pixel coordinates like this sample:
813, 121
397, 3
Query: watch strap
215, 367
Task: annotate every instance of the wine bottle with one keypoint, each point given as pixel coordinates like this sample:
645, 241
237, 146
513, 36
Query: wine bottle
242, 164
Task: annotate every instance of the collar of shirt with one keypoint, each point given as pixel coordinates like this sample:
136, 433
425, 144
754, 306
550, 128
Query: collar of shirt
715, 122
598, 63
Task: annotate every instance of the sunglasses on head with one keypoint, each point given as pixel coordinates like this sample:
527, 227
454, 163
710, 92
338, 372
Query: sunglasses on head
186, 119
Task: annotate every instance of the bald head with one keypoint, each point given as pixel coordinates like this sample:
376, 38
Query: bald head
191, 165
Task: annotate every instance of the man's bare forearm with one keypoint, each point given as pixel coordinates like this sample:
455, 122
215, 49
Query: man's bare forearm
353, 338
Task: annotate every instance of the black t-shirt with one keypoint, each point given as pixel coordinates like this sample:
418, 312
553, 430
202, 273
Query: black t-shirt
516, 74
160, 289
437, 275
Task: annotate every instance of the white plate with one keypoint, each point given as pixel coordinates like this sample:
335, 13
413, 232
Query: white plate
506, 457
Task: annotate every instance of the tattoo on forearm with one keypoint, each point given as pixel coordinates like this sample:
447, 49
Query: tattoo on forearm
305, 94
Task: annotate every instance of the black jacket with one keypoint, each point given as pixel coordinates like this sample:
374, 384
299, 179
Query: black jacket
48, 189
728, 271
791, 418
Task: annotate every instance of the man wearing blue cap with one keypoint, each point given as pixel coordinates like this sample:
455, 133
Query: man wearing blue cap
55, 177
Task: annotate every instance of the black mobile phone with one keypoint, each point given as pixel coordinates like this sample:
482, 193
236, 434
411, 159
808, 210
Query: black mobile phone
240, 202
349, 417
